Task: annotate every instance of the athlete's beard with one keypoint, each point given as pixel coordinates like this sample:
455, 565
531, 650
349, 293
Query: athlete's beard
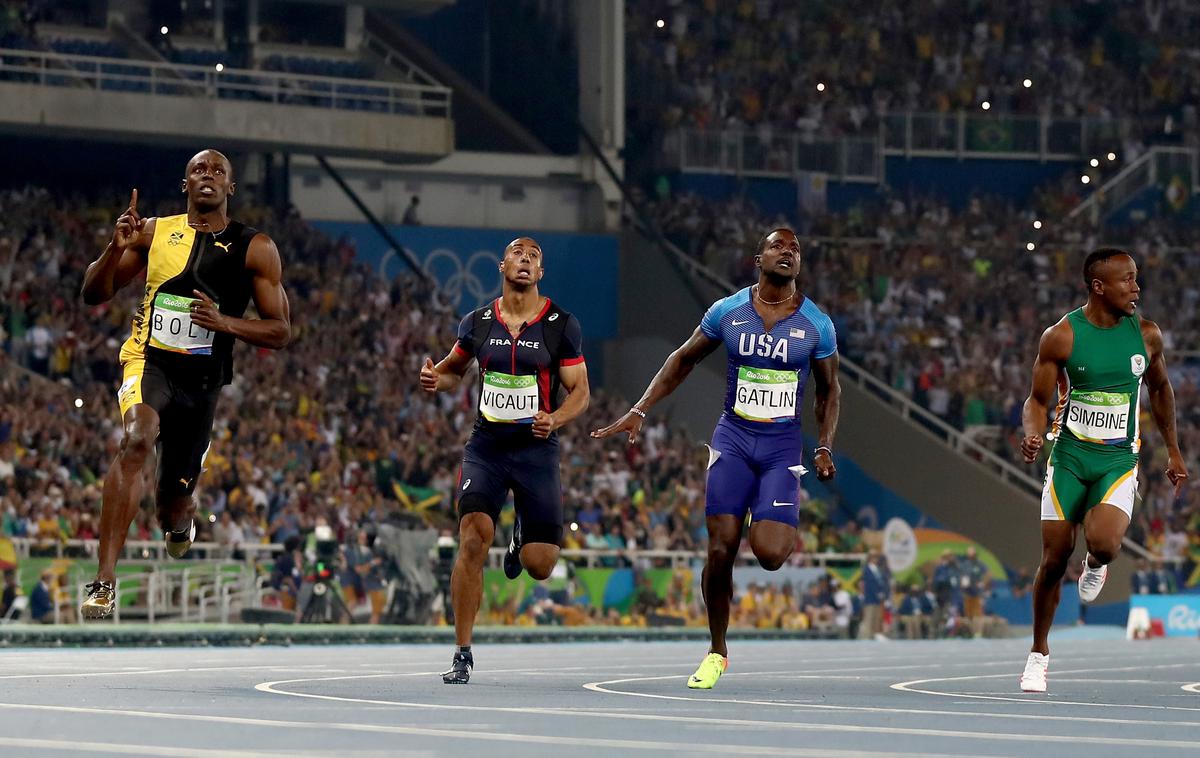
782, 281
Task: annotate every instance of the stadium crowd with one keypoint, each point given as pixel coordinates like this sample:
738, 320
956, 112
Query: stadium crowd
758, 63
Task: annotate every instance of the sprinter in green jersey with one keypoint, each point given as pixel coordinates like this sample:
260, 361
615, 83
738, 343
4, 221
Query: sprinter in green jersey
1098, 357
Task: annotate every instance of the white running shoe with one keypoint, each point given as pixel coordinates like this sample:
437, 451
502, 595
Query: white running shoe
1091, 581
1034, 678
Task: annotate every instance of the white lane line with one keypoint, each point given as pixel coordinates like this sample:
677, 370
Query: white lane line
603, 688
458, 735
271, 687
160, 671
911, 686
77, 746
1195, 687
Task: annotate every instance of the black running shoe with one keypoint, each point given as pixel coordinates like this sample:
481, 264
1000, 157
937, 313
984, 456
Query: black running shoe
512, 559
460, 669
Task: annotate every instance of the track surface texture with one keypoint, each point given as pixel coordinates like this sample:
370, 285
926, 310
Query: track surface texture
1107, 697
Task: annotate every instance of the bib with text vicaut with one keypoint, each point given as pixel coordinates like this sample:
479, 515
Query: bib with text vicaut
766, 395
1101, 417
508, 399
172, 329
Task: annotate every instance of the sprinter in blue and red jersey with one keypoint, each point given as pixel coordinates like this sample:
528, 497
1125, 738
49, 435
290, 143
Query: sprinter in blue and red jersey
528, 348
775, 337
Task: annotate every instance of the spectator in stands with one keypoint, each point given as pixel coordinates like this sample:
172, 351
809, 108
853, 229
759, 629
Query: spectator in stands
975, 581
288, 573
11, 591
410, 213
41, 600
1021, 584
1142, 581
1164, 580
876, 596
916, 612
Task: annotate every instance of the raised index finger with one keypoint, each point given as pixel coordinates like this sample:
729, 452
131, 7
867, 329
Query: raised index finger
202, 296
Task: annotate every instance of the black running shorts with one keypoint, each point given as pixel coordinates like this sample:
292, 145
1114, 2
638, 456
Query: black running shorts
491, 467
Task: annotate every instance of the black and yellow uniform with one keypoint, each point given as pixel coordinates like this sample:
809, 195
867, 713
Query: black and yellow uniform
168, 362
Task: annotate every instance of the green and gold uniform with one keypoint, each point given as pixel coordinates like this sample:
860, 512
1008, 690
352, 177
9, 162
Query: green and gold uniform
1095, 430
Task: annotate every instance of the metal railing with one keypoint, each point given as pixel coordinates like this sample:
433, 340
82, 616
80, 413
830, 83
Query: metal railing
397, 60
140, 550
758, 153
980, 135
596, 558
775, 152
278, 88
1152, 168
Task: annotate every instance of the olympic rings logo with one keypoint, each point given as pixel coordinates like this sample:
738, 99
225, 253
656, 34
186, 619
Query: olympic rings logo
460, 284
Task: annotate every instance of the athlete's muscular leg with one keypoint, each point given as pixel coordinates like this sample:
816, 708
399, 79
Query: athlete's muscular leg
539, 558
124, 484
475, 534
1058, 541
1103, 528
724, 539
772, 542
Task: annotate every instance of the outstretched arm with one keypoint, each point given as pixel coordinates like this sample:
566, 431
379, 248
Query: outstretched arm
1053, 351
273, 326
1162, 403
676, 368
828, 406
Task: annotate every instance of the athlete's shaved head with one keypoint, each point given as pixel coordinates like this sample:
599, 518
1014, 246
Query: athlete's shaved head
523, 242
766, 238
1096, 259
210, 154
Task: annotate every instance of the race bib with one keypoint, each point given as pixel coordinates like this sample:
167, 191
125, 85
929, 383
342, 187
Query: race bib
766, 395
171, 327
508, 399
1101, 417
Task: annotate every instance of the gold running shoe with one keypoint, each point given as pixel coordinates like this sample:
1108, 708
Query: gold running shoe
178, 543
102, 596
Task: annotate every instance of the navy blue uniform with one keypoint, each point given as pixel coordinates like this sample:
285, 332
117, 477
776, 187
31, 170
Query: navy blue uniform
518, 378
754, 459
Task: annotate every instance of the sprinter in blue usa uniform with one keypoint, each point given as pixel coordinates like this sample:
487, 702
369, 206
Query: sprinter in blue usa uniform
774, 337
528, 350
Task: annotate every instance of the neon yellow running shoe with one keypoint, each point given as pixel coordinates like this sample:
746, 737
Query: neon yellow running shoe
711, 668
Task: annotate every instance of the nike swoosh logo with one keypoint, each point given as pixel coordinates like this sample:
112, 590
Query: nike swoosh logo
778, 504
739, 323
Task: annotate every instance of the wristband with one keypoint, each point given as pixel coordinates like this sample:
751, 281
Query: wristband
638, 411
825, 448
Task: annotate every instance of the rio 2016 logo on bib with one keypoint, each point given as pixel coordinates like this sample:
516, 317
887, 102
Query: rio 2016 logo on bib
508, 399
171, 327
767, 395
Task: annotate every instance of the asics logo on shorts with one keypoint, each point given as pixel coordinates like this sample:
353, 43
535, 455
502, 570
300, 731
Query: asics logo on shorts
466, 484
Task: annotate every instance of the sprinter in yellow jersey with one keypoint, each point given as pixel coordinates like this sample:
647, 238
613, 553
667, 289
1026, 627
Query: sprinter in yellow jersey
1098, 356
202, 269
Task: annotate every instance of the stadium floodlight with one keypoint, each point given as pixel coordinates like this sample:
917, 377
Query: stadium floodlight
1027, 83
163, 30
1029, 246
1112, 156
1094, 162
1037, 224
1085, 178
985, 105
820, 86
220, 67
660, 23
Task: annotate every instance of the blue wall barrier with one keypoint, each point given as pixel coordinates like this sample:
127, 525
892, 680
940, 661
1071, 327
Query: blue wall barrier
1180, 614
581, 269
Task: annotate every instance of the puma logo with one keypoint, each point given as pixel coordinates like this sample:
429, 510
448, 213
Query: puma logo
223, 245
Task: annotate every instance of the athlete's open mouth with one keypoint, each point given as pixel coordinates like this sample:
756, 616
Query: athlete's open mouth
208, 189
